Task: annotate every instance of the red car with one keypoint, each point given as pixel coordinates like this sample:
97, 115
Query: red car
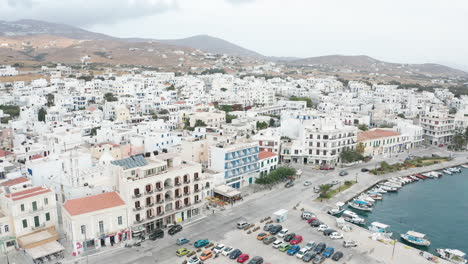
296, 240
243, 258
312, 219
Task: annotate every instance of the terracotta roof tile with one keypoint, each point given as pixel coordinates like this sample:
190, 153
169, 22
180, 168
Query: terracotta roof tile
27, 193
14, 181
376, 133
266, 154
93, 203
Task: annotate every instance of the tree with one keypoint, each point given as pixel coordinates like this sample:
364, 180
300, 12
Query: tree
272, 122
170, 88
41, 114
229, 118
459, 141
360, 148
109, 97
452, 111
262, 125
94, 131
308, 100
163, 112
199, 123
223, 89
50, 99
324, 189
348, 156
401, 116
363, 127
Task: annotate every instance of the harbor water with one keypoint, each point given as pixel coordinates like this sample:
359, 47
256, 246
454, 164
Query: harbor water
436, 207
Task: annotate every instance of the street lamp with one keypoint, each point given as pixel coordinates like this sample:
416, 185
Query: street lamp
356, 177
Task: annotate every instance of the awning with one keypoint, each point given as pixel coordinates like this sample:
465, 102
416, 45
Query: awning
45, 250
226, 191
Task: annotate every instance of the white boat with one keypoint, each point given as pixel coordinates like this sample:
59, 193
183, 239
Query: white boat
427, 174
452, 255
375, 196
465, 166
416, 238
395, 183
355, 220
414, 178
455, 169
447, 172
360, 205
350, 214
378, 190
380, 228
366, 198
338, 209
391, 184
388, 188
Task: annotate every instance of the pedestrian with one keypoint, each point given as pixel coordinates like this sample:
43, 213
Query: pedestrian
213, 211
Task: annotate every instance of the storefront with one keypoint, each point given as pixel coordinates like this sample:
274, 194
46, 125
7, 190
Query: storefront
104, 240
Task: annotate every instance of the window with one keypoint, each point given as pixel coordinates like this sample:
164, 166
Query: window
119, 220
7, 229
83, 229
46, 201
34, 206
25, 223
36, 221
101, 227
22, 207
47, 216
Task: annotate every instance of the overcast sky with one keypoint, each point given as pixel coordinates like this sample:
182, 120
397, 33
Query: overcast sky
412, 31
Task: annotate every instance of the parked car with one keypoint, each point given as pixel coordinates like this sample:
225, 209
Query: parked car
256, 260
243, 258
337, 256
284, 247
310, 245
328, 252
364, 170
349, 243
335, 182
298, 172
269, 240
289, 237
182, 252
343, 173
235, 254
227, 250
182, 241
201, 243
318, 259
277, 243
307, 215
293, 250
336, 235
267, 227
275, 229
296, 240
322, 228
316, 189
218, 248
206, 255
194, 260
316, 223
308, 256
174, 230
307, 183
302, 253
320, 248
289, 184
262, 235
159, 233
328, 232
283, 232
242, 225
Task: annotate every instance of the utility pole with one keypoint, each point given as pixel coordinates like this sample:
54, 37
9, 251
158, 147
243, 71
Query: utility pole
394, 245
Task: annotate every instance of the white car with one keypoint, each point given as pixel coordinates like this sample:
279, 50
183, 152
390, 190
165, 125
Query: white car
310, 245
349, 243
322, 228
301, 253
277, 243
283, 232
194, 260
298, 172
218, 249
227, 250
335, 182
307, 183
336, 235
316, 189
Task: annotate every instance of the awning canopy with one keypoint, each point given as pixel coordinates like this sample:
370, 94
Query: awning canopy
226, 191
45, 250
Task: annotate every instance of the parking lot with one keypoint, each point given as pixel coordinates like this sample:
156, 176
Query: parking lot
248, 243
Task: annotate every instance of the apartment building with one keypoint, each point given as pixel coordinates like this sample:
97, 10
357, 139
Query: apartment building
383, 142
438, 126
160, 190
95, 221
268, 140
238, 162
268, 161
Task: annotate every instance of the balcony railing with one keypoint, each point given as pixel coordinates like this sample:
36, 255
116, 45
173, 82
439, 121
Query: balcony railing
150, 217
159, 189
178, 184
149, 192
136, 209
139, 221
187, 181
178, 195
188, 204
137, 195
160, 213
197, 190
150, 205
197, 178
187, 193
198, 201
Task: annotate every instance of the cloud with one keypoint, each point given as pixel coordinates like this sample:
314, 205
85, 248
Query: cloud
83, 12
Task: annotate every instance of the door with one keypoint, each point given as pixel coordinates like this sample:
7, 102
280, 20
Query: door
34, 206
36, 221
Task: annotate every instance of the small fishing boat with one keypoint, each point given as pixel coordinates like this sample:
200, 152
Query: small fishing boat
453, 255
416, 238
395, 183
355, 220
388, 188
455, 170
414, 178
366, 198
380, 228
420, 177
465, 166
360, 205
338, 209
349, 214
376, 197
446, 171
378, 190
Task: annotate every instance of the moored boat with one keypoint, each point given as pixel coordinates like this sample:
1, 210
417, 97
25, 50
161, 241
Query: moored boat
446, 171
360, 205
465, 166
380, 228
338, 209
355, 220
452, 255
350, 214
416, 238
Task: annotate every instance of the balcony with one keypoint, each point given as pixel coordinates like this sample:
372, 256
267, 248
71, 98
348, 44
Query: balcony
169, 210
187, 182
169, 199
187, 193
150, 217
139, 221
159, 189
178, 207
150, 205
188, 204
197, 190
198, 178
160, 201
136, 209
160, 213
198, 201
178, 195
138, 195
149, 192
178, 184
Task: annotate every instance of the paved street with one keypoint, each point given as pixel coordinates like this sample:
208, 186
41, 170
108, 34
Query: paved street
220, 226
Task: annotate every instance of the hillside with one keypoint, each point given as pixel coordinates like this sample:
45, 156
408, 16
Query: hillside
213, 45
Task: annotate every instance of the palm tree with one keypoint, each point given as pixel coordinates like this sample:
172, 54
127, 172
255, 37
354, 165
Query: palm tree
324, 188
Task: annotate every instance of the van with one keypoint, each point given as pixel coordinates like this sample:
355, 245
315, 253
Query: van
242, 225
307, 215
156, 234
